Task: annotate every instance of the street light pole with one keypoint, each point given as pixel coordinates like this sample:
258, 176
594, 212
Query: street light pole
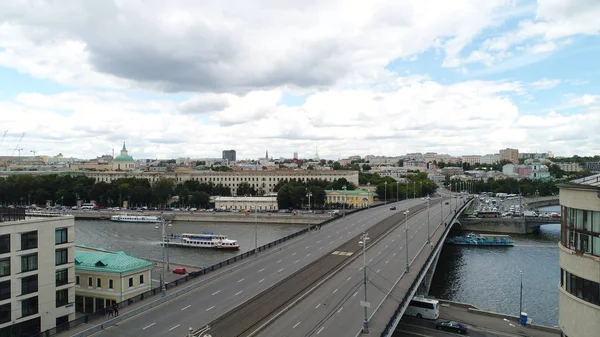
309, 194
345, 199
414, 189
521, 297
255, 231
364, 245
163, 242
406, 238
397, 182
385, 196
406, 187
428, 235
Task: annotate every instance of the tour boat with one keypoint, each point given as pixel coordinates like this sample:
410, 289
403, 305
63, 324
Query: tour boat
136, 218
204, 240
481, 240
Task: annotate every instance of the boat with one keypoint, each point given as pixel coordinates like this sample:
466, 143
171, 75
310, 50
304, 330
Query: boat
136, 218
204, 240
473, 239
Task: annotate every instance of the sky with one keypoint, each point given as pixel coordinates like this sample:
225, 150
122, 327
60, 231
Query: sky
190, 78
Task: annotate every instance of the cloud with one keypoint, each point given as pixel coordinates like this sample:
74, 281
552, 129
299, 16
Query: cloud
545, 83
204, 103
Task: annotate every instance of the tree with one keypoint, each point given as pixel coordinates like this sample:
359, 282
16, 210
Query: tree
200, 199
245, 189
366, 167
163, 190
336, 166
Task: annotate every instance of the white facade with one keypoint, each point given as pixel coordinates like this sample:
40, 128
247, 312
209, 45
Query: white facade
489, 159
247, 203
36, 261
472, 160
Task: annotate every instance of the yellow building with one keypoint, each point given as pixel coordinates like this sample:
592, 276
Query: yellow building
352, 198
103, 278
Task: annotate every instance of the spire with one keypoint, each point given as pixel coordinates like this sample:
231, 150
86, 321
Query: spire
267, 154
124, 150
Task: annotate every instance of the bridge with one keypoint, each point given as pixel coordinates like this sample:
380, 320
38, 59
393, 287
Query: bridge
310, 285
535, 203
518, 225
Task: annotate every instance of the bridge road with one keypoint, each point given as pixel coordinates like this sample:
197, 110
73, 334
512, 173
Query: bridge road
333, 309
204, 304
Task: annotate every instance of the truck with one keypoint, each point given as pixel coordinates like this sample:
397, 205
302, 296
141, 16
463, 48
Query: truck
530, 213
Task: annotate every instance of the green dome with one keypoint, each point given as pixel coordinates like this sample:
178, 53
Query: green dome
124, 158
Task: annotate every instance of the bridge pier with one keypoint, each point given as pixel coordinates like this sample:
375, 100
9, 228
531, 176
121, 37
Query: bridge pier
426, 283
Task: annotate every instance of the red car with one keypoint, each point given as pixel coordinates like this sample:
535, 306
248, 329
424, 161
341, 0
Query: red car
179, 271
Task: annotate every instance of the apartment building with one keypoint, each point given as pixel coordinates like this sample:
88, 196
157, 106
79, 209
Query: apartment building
570, 167
509, 154
352, 198
471, 160
36, 272
247, 203
103, 278
579, 258
489, 159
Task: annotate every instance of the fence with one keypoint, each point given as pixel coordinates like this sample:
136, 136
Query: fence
191, 276
11, 214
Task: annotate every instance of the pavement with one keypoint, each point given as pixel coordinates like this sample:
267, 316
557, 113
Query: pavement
214, 298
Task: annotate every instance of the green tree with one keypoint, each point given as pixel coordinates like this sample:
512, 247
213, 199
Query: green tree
163, 190
245, 189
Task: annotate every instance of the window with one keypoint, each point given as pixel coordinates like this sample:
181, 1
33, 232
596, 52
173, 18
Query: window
29, 262
62, 277
29, 240
141, 279
98, 282
60, 236
131, 282
581, 230
4, 243
5, 313
5, 267
4, 290
110, 284
90, 282
61, 256
29, 284
584, 289
77, 280
62, 297
29, 307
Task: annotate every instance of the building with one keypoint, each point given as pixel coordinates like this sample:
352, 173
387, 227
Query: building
489, 159
124, 162
37, 273
471, 160
247, 203
510, 170
103, 278
511, 155
592, 166
570, 167
352, 198
539, 171
229, 155
579, 258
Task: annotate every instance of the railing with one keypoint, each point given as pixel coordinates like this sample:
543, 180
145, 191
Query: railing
189, 277
11, 214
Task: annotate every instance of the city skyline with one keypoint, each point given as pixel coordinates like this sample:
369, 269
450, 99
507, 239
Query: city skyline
192, 79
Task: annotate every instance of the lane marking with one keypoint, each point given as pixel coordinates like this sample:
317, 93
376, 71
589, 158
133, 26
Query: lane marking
349, 278
394, 254
294, 327
261, 281
261, 270
335, 291
378, 271
240, 280
175, 327
331, 242
149, 326
320, 248
318, 305
293, 254
307, 255
340, 310
278, 261
318, 332
216, 292
182, 309
356, 293
370, 260
306, 247
297, 261
280, 270
349, 233
239, 292
386, 262
319, 241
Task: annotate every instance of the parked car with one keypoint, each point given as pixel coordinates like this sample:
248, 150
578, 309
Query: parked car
452, 326
181, 271
393, 208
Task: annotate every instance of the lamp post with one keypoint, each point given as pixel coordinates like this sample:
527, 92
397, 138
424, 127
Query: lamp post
521, 296
397, 199
428, 234
385, 194
414, 189
345, 199
420, 188
255, 231
406, 187
364, 238
163, 283
369, 195
309, 194
406, 241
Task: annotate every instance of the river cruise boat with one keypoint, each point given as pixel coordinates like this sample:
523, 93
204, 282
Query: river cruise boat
481, 240
136, 218
204, 240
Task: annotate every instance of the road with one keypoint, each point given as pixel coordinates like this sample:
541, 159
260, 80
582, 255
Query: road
334, 308
214, 299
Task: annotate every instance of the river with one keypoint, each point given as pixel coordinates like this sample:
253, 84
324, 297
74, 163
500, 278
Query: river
489, 277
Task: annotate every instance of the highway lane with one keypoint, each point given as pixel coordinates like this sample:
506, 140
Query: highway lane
333, 309
211, 300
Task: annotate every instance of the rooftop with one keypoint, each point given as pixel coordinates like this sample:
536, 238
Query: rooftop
589, 180
109, 262
347, 191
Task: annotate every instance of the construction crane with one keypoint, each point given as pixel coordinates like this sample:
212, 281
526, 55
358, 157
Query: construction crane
33, 151
17, 147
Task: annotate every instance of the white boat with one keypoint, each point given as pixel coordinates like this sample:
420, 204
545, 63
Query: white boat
136, 218
204, 240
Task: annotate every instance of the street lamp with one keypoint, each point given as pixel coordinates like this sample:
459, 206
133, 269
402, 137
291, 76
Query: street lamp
385, 196
369, 195
406, 177
364, 238
345, 199
309, 194
428, 234
397, 182
256, 230
163, 226
414, 189
406, 241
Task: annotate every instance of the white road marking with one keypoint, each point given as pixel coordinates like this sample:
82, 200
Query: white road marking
261, 280
370, 260
378, 253
182, 309
318, 332
278, 261
239, 292
175, 327
386, 262
331, 242
378, 271
320, 248
349, 278
216, 292
306, 247
318, 305
394, 254
261, 270
209, 309
149, 326
280, 270
297, 261
153, 280
240, 280
349, 232
307, 255
293, 254
393, 240
335, 291
356, 293
319, 241
340, 310
295, 325
386, 246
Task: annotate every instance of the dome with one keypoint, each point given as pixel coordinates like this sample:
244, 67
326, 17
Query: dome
124, 156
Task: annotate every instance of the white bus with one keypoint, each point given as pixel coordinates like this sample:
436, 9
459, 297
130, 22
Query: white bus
421, 307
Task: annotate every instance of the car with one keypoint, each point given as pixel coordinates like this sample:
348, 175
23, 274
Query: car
446, 203
181, 271
393, 208
452, 326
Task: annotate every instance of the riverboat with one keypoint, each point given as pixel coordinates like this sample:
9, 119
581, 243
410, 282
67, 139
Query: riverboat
204, 240
136, 218
481, 240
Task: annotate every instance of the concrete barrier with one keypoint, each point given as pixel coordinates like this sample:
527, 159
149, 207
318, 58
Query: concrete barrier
513, 318
457, 304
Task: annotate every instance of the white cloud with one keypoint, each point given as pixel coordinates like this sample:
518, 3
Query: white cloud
545, 83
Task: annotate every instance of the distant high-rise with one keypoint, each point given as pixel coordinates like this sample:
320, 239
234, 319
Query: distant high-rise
511, 155
229, 155
295, 155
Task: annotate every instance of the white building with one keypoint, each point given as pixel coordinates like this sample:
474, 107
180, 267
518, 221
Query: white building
489, 159
124, 162
37, 274
579, 258
472, 160
247, 203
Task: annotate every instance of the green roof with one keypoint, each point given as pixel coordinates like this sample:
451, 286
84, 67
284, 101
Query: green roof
348, 191
109, 262
124, 158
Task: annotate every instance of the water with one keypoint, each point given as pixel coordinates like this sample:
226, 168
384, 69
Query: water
489, 277
143, 240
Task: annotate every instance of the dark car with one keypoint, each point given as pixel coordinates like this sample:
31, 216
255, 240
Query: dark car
452, 326
181, 271
393, 208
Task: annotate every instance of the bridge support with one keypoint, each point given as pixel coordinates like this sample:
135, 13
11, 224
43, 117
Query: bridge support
426, 283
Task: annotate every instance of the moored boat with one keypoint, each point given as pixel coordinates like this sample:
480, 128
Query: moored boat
204, 240
136, 218
473, 239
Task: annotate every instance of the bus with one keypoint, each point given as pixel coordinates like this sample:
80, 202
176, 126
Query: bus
421, 307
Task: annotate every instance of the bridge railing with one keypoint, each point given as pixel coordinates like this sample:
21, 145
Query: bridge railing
90, 317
